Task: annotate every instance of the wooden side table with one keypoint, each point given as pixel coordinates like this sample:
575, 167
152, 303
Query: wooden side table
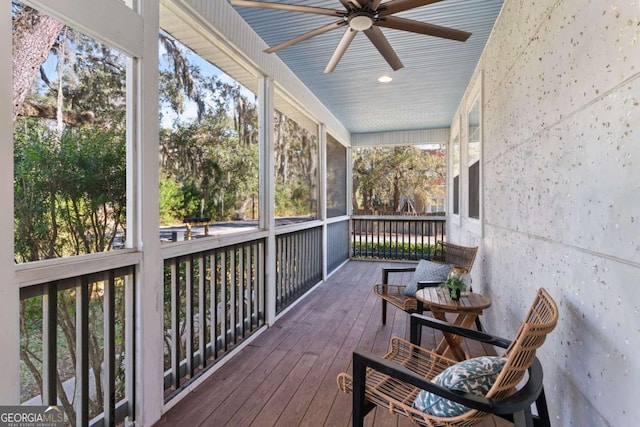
467, 310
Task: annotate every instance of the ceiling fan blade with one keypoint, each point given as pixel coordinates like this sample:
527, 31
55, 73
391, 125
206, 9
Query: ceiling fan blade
348, 4
306, 36
289, 7
382, 44
412, 26
374, 4
346, 40
395, 6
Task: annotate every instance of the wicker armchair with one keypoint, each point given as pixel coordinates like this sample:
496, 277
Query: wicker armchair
461, 257
393, 381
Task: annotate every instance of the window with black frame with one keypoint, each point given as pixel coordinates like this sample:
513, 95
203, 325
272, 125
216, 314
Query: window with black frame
473, 160
456, 174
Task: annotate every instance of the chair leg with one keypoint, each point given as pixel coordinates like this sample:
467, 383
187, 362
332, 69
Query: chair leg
415, 333
523, 418
359, 411
543, 411
384, 312
478, 324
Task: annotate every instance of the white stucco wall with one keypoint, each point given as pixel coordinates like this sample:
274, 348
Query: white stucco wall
561, 166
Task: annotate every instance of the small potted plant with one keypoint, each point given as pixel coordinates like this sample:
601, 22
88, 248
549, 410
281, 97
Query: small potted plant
454, 284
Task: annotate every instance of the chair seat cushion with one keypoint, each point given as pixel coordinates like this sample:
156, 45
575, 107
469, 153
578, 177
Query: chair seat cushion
474, 376
427, 271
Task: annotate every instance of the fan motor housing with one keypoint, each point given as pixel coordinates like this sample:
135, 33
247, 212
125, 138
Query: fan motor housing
360, 21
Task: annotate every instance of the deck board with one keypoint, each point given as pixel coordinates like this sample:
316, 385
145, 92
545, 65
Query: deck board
287, 375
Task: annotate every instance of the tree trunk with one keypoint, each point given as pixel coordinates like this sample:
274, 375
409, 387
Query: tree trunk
33, 35
29, 109
396, 192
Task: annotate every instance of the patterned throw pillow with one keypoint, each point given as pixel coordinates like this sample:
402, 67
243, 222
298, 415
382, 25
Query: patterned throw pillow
474, 376
427, 271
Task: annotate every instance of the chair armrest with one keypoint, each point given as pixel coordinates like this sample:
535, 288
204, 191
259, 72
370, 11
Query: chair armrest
519, 401
386, 271
428, 284
420, 320
383, 288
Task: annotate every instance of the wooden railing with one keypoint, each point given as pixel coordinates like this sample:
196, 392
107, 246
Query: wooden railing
78, 332
395, 237
77, 344
298, 264
214, 299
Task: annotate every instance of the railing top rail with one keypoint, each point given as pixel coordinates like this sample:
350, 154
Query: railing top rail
70, 282
336, 219
46, 271
290, 228
204, 244
401, 217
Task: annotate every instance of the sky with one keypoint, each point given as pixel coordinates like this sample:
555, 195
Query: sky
207, 69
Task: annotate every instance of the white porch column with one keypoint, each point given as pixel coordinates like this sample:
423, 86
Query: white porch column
267, 189
144, 182
9, 293
322, 192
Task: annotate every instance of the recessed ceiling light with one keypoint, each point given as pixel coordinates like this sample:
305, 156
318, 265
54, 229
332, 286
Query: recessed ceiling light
384, 79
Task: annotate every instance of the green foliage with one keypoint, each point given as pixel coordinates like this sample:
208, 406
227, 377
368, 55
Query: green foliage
453, 283
390, 250
171, 201
70, 190
296, 170
213, 157
382, 175
191, 197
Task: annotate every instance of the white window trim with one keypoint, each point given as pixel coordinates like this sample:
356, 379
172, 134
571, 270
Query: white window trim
455, 132
473, 225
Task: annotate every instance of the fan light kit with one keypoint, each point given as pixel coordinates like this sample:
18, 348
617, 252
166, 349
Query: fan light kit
365, 16
360, 21
384, 79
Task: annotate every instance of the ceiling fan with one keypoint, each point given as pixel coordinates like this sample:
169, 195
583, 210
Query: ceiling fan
366, 16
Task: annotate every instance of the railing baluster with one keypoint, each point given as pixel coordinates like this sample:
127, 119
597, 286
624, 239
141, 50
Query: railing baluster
233, 297
360, 238
422, 223
202, 312
175, 323
384, 238
224, 328
294, 259
130, 343
249, 259
49, 345
377, 228
241, 292
353, 237
291, 264
304, 239
82, 352
109, 358
318, 254
214, 305
260, 281
189, 314
396, 237
301, 242
366, 238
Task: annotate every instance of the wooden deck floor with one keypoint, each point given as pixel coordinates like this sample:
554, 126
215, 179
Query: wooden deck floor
287, 376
